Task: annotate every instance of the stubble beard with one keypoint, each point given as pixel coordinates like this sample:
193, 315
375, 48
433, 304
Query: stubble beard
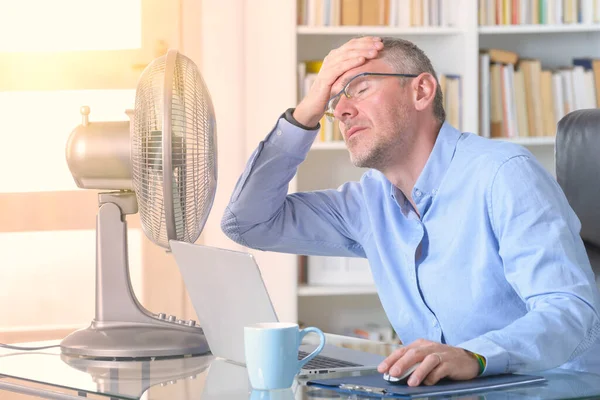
385, 145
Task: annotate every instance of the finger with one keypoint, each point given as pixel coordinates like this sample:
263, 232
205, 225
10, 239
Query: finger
368, 49
338, 61
410, 358
333, 73
336, 67
333, 62
324, 85
362, 45
361, 40
391, 359
438, 373
368, 52
428, 365
357, 43
399, 353
359, 47
354, 49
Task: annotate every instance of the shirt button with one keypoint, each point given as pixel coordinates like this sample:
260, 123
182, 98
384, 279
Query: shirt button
278, 132
434, 323
434, 191
418, 193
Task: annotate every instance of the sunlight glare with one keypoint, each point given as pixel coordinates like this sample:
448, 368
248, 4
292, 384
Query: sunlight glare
70, 25
38, 125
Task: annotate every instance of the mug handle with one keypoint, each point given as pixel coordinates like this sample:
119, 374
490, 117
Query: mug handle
312, 355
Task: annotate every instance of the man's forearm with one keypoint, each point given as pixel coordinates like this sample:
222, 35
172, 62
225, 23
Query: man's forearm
555, 331
261, 190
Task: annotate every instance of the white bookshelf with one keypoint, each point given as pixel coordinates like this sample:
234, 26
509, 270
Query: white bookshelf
537, 29
453, 50
377, 30
524, 141
317, 290
531, 141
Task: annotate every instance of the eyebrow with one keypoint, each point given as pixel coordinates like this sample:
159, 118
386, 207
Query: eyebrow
344, 83
346, 80
334, 92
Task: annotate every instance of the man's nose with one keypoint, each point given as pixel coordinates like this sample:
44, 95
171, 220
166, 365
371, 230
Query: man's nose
344, 109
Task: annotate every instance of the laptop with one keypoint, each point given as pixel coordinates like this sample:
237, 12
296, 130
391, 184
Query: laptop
227, 291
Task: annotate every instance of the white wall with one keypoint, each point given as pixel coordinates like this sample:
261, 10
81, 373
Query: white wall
230, 39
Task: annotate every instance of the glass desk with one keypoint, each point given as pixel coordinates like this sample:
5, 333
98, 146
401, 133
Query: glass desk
48, 374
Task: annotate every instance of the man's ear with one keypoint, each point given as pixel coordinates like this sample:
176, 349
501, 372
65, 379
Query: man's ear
424, 87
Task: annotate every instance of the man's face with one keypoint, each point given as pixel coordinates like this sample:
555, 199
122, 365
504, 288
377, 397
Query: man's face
376, 126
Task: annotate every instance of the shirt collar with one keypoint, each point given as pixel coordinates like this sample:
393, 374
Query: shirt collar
439, 160
437, 164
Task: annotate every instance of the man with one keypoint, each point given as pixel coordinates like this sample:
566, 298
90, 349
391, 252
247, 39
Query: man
473, 247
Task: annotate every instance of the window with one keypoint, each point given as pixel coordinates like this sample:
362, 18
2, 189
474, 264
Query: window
63, 54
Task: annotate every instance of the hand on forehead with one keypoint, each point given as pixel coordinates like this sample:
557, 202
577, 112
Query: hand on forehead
374, 65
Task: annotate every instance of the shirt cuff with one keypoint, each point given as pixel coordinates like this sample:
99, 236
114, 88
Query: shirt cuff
289, 116
291, 138
496, 358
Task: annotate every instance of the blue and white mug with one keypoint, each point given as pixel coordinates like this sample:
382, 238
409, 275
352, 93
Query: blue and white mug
271, 351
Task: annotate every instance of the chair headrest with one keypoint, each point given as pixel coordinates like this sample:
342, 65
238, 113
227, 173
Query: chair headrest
577, 155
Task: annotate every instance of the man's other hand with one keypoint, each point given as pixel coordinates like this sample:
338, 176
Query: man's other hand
437, 361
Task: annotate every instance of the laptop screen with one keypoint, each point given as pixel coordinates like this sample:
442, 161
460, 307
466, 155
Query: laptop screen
227, 291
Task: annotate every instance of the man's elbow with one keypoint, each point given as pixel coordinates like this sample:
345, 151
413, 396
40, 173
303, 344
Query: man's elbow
231, 228
255, 235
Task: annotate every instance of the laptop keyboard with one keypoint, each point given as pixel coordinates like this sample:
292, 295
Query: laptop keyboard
322, 362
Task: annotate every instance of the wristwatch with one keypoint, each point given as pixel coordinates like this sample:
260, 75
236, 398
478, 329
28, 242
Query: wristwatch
288, 115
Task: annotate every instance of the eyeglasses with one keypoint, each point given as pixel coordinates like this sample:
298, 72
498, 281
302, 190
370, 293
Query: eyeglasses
360, 86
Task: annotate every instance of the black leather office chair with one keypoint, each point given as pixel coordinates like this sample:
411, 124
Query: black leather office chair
577, 155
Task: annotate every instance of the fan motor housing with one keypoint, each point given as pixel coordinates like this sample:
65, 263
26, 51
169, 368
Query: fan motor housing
99, 155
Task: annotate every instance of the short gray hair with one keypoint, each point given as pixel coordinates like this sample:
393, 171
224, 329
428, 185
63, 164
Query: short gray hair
407, 58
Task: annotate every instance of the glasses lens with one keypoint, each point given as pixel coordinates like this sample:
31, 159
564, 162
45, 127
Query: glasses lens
359, 86
332, 104
356, 88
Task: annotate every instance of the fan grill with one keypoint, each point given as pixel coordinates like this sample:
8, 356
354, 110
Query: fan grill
193, 151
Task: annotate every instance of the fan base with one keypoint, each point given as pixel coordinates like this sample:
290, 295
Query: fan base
119, 341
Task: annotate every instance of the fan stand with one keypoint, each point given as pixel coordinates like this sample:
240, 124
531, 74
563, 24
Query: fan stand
134, 377
123, 328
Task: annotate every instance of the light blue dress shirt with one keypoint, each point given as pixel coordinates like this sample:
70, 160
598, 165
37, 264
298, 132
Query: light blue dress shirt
495, 264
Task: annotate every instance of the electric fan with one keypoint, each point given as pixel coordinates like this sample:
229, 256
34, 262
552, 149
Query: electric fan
163, 160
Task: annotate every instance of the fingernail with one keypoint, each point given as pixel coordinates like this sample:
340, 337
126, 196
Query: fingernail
413, 381
395, 371
383, 366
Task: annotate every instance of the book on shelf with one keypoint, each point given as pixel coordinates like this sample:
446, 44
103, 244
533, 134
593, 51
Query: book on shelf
302, 269
544, 12
392, 13
520, 98
451, 85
